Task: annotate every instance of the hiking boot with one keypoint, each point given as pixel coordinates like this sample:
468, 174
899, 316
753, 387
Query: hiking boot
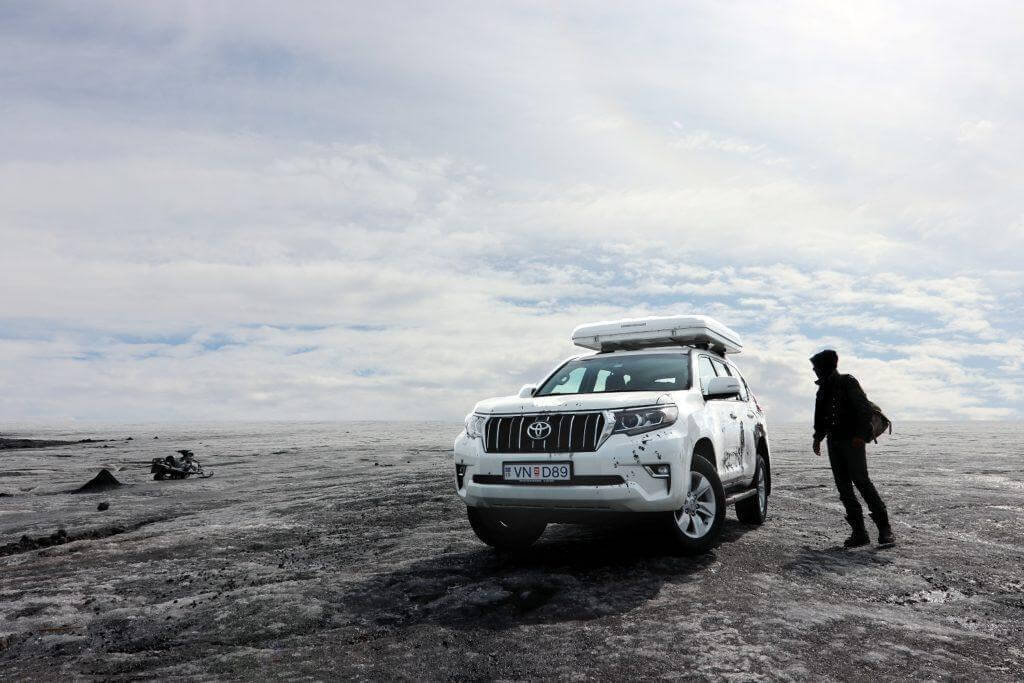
857, 539
885, 536
859, 536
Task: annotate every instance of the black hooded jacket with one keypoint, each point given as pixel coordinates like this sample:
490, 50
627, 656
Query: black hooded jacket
841, 409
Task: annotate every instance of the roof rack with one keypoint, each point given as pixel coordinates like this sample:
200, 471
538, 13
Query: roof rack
698, 331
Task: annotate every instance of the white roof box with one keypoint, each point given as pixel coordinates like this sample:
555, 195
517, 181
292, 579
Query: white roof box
669, 330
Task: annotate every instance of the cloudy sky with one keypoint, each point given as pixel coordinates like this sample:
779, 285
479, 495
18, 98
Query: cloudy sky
342, 210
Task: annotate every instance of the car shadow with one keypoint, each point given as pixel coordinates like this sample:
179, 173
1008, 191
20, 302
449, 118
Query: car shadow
572, 573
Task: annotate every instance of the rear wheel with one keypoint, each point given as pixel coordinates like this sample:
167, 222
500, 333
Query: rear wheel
754, 510
505, 529
698, 523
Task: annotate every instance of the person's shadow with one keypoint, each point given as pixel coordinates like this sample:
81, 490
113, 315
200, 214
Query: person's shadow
837, 560
572, 573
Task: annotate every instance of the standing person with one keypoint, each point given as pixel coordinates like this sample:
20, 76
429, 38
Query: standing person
842, 415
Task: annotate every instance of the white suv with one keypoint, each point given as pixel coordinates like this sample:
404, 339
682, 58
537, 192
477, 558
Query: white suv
658, 420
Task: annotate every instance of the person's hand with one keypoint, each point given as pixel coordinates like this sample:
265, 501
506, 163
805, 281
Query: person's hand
858, 442
817, 448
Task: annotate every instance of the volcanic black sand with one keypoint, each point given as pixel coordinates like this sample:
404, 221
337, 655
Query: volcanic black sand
341, 552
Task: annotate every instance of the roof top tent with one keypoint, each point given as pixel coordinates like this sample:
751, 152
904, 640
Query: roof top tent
671, 330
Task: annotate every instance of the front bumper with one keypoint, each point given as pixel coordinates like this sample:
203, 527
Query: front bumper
621, 459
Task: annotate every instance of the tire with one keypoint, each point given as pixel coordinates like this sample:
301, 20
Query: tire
696, 526
755, 510
505, 529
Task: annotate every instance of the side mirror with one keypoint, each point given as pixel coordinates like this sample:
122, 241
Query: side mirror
723, 387
527, 391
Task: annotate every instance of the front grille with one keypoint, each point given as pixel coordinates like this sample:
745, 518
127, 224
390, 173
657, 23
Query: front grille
570, 433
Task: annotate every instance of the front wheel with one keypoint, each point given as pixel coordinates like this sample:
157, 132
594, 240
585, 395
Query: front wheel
754, 510
696, 526
505, 529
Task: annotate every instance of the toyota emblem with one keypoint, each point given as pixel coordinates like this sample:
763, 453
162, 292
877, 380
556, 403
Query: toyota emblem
538, 430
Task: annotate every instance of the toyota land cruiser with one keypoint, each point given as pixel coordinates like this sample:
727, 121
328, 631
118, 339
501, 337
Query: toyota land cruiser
658, 419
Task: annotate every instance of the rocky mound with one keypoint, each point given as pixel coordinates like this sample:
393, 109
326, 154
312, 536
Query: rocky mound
104, 481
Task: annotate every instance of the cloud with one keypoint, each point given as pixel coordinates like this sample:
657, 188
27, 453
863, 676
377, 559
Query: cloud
974, 131
240, 211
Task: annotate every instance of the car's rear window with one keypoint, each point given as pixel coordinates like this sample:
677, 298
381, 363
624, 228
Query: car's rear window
599, 374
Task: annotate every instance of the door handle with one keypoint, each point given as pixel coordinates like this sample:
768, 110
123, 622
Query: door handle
750, 415
732, 415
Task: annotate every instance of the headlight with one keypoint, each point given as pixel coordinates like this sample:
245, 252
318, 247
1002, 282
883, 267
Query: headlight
475, 425
640, 420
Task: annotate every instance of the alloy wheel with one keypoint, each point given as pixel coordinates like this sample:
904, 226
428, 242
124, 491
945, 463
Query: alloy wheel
697, 515
762, 490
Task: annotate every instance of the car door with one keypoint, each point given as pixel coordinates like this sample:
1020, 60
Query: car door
747, 415
725, 420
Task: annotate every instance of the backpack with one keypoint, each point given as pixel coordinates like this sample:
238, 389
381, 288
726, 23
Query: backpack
879, 422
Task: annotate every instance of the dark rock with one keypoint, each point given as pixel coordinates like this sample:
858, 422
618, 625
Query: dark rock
156, 437
10, 444
103, 506
129, 439
104, 481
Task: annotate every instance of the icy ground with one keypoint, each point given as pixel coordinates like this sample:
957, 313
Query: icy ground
340, 551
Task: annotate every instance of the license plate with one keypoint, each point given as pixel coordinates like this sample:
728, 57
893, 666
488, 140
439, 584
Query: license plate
536, 471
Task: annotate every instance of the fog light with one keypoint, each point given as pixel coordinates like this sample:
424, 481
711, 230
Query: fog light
661, 471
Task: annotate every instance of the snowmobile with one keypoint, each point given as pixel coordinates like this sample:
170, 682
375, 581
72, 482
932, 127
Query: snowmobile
172, 468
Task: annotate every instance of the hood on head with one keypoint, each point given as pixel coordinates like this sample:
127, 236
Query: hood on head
825, 363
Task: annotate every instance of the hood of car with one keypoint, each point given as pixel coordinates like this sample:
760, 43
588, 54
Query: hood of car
571, 402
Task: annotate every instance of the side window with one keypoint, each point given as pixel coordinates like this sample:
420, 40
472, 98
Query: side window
706, 371
744, 395
569, 383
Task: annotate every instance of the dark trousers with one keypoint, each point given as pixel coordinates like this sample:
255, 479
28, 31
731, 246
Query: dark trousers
850, 468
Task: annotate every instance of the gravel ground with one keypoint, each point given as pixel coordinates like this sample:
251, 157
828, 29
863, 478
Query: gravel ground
330, 552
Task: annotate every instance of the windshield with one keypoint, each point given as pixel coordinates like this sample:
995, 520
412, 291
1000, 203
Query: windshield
599, 374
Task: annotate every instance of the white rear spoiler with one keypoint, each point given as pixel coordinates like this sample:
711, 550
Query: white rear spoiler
671, 330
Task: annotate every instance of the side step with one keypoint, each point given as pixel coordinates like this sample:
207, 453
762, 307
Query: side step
742, 495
